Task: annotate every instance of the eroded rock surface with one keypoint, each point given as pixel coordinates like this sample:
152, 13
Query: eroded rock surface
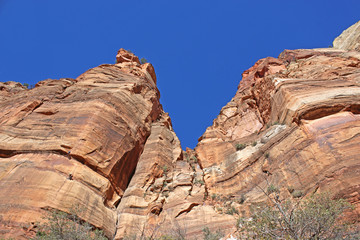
74, 143
349, 39
301, 131
103, 144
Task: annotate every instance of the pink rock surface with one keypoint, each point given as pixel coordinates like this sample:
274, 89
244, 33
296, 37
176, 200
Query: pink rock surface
102, 143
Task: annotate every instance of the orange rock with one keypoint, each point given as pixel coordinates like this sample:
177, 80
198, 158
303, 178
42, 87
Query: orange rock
126, 56
92, 129
102, 143
299, 119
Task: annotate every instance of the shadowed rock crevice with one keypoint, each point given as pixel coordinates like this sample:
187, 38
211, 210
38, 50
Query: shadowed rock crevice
326, 110
124, 169
187, 210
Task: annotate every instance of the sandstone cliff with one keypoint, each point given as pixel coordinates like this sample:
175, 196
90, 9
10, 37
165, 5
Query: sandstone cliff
102, 143
75, 142
349, 39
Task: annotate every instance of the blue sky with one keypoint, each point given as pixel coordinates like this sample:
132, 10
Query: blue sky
198, 48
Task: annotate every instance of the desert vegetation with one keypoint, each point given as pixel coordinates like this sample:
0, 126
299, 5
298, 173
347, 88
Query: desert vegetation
315, 217
318, 216
143, 60
240, 146
65, 226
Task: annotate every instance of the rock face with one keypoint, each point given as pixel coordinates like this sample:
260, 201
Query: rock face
302, 129
349, 39
74, 142
103, 144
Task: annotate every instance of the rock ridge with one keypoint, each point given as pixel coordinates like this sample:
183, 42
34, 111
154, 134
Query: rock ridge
102, 143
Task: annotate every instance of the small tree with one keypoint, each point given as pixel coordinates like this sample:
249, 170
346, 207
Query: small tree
143, 60
240, 146
208, 235
314, 218
66, 226
165, 169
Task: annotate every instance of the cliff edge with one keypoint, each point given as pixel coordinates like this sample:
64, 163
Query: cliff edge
102, 143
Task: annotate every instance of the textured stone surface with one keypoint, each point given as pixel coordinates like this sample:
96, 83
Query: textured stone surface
102, 143
92, 128
7, 89
349, 39
303, 131
167, 193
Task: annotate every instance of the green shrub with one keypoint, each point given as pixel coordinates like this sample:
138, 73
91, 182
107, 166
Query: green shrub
66, 226
213, 196
167, 237
231, 211
165, 169
240, 146
199, 181
212, 236
314, 218
272, 189
297, 193
143, 60
194, 159
254, 143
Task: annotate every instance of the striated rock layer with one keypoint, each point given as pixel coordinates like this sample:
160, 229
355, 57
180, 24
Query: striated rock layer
101, 143
74, 143
302, 129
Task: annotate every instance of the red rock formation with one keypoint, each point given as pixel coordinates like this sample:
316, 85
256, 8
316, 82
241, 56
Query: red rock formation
92, 128
102, 142
8, 88
301, 131
167, 193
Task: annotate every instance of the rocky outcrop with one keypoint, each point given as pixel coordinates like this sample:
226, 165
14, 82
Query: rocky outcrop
293, 123
102, 143
9, 88
167, 194
349, 39
74, 142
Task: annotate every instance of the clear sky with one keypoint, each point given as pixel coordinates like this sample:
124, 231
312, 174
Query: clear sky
199, 48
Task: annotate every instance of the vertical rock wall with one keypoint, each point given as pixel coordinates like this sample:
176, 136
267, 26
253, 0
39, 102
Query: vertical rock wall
102, 143
74, 143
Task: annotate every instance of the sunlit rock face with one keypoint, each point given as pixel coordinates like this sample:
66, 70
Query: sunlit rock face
350, 39
298, 117
74, 143
101, 143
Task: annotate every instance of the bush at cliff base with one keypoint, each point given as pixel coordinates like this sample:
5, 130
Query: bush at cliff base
318, 217
66, 226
